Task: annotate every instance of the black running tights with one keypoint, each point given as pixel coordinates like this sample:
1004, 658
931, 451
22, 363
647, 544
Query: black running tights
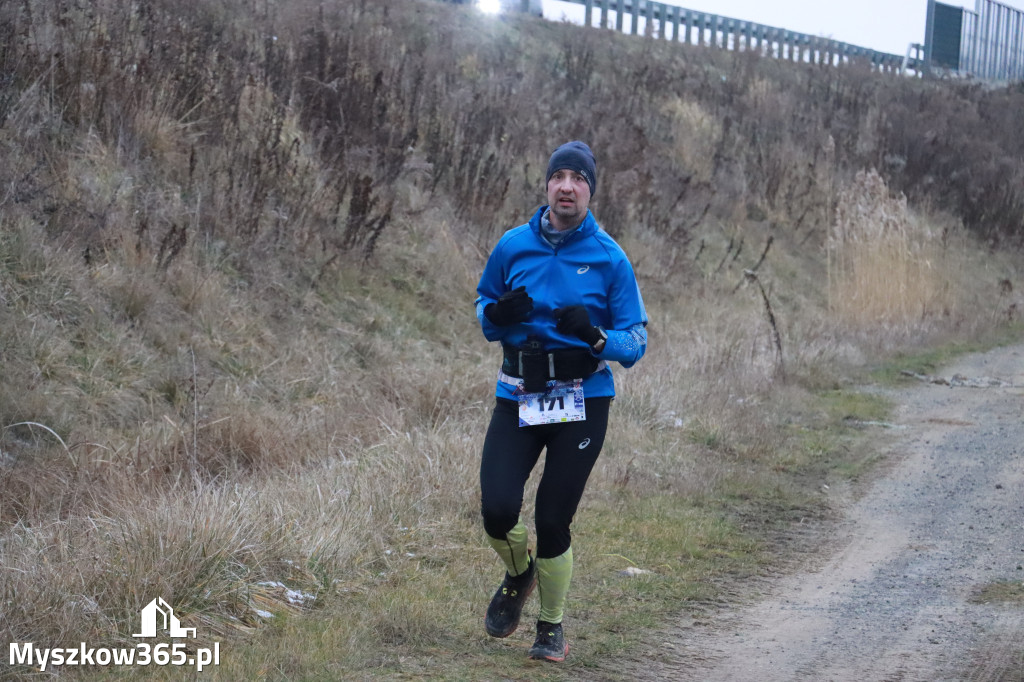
510, 454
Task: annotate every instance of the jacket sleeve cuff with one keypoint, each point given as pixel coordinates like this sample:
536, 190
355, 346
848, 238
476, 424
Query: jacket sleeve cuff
492, 332
625, 346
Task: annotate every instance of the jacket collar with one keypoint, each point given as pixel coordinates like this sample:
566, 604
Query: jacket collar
586, 228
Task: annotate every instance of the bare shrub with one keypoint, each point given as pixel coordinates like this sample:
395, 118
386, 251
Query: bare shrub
238, 248
695, 135
932, 134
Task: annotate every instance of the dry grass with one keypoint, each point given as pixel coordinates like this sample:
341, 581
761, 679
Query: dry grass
887, 267
1004, 592
236, 284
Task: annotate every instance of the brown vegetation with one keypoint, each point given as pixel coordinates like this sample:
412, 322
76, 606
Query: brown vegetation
238, 247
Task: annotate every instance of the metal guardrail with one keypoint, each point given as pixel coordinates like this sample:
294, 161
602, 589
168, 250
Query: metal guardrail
678, 24
987, 43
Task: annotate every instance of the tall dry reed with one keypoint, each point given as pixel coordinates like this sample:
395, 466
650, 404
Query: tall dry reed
238, 250
886, 266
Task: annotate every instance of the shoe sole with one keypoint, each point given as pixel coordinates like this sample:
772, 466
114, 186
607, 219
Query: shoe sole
502, 635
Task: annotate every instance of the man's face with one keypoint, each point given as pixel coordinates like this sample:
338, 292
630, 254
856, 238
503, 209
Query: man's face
569, 197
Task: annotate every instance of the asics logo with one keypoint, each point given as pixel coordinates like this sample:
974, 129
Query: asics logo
583, 269
585, 443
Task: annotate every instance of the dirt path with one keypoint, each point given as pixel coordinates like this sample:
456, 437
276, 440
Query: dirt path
893, 600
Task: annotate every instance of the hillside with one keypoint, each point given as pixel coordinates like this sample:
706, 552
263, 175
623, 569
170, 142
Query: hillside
239, 245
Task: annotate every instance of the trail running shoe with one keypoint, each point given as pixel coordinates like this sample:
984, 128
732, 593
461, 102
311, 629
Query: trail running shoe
507, 603
550, 644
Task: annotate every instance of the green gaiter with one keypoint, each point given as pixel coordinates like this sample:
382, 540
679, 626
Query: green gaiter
553, 580
512, 549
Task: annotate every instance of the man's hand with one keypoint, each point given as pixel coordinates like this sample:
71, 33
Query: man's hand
512, 307
574, 321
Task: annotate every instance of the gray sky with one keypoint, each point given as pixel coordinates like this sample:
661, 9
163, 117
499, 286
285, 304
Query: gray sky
885, 25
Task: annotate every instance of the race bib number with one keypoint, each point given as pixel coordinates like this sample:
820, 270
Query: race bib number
562, 402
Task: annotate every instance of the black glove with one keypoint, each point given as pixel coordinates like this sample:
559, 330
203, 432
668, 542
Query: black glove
512, 307
574, 321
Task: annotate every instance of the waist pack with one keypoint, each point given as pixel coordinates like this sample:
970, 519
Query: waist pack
536, 366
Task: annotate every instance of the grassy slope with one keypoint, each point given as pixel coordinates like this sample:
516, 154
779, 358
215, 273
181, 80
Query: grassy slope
250, 326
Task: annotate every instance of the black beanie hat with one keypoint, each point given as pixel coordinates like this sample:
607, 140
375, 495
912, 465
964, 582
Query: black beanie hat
575, 156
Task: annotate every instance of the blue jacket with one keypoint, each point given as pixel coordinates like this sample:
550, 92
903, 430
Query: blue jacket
587, 268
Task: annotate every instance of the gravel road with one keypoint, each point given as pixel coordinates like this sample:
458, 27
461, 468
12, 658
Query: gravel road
892, 598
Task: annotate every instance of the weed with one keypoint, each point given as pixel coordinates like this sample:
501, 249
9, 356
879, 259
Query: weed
1003, 592
238, 250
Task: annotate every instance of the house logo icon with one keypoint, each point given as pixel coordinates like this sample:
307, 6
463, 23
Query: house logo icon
159, 614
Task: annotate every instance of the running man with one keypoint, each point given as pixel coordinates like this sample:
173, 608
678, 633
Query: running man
561, 297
